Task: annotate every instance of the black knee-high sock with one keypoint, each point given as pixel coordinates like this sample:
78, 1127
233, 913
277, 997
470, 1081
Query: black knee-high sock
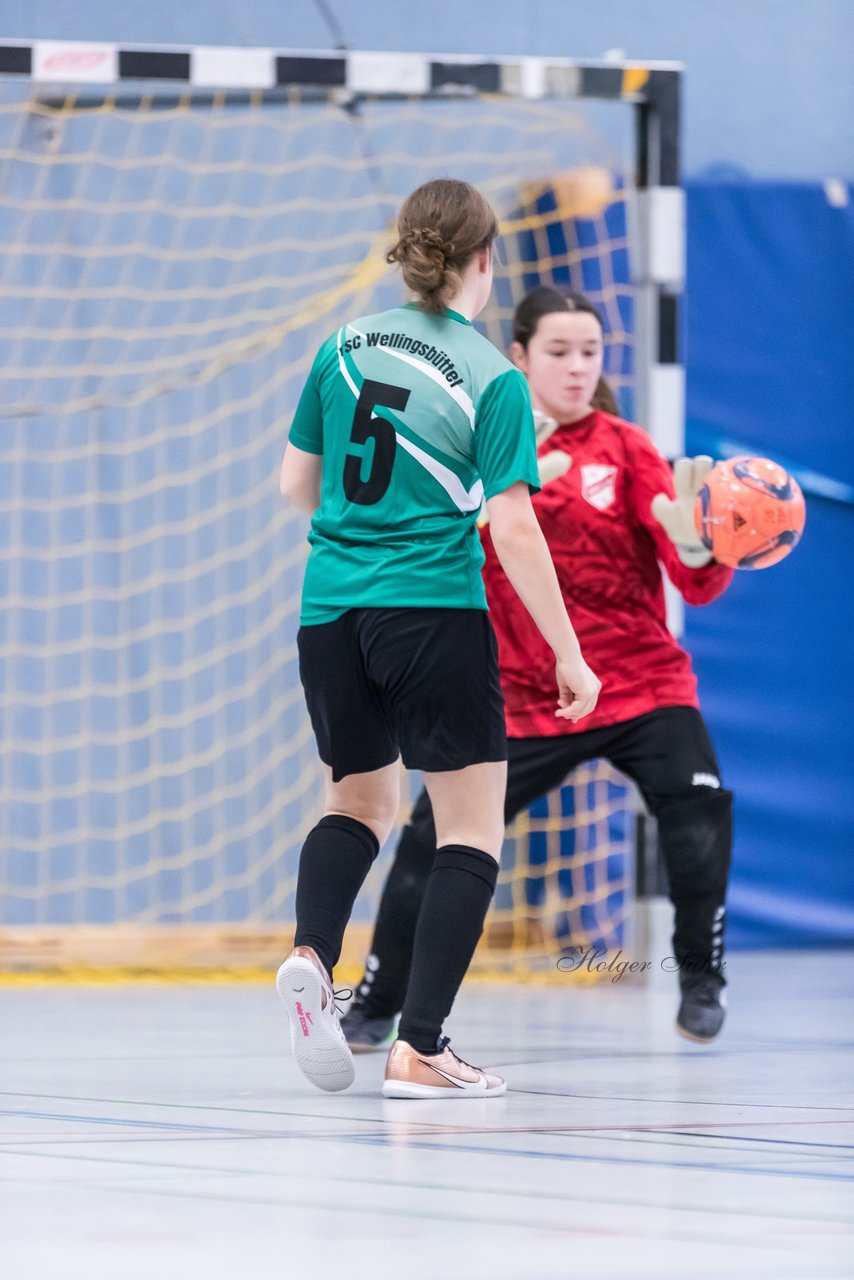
386, 977
696, 841
335, 859
450, 922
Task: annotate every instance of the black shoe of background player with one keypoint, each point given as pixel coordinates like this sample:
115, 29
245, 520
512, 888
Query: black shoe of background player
363, 1032
703, 1008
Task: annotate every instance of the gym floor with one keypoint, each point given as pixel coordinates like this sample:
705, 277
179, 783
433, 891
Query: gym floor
163, 1131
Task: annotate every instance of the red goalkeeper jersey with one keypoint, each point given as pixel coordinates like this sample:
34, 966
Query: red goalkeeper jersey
606, 548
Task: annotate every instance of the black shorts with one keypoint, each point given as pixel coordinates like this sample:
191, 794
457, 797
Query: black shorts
419, 683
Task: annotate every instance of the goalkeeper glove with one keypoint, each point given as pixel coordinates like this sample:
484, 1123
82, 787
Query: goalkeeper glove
543, 426
676, 515
551, 466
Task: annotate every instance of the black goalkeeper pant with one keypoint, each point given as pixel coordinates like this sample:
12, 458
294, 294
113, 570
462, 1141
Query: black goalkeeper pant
669, 755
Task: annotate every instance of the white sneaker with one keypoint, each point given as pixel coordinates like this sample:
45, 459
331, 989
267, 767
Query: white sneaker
319, 1048
410, 1074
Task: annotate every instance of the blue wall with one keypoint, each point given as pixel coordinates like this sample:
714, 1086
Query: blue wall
769, 86
770, 369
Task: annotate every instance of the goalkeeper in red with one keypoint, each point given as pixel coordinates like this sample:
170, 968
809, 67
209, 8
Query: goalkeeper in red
611, 515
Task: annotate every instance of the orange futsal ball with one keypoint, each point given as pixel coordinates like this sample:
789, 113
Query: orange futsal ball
749, 513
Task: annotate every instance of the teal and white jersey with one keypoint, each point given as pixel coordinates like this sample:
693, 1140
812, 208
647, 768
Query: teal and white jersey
418, 418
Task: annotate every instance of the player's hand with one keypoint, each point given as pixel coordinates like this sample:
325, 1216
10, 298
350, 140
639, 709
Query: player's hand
578, 689
676, 515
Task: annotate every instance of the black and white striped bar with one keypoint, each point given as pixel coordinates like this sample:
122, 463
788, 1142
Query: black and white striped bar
214, 66
658, 272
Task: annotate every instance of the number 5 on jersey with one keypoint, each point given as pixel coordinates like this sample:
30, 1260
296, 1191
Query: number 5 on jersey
367, 428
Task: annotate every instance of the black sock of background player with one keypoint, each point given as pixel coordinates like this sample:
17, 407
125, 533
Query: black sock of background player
336, 857
383, 986
456, 900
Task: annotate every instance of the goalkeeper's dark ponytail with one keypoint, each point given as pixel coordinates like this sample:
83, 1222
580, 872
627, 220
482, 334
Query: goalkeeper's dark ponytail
441, 226
543, 301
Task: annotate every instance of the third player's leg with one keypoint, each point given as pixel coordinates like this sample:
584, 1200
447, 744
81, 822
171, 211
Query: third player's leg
535, 766
670, 756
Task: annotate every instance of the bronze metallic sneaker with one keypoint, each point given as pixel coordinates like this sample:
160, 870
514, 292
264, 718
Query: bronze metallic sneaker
410, 1074
320, 1050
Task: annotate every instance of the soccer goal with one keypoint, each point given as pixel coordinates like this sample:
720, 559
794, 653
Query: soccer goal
180, 230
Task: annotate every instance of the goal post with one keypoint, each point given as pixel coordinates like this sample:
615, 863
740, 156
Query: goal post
181, 228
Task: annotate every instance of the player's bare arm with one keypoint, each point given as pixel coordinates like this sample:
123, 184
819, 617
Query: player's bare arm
525, 558
299, 478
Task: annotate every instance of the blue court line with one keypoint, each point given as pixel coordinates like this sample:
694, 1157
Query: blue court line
130, 1123
420, 1185
681, 1102
200, 1106
735, 1137
441, 1215
699, 1130
398, 1139
14, 1146
615, 1160
428, 1124
570, 1052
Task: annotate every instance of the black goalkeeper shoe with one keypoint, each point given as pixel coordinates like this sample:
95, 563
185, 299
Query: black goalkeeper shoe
703, 1008
363, 1032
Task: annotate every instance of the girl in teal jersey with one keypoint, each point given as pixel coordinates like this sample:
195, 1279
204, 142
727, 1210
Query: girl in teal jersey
409, 420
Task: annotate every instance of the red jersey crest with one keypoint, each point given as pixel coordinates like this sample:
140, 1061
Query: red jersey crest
598, 485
